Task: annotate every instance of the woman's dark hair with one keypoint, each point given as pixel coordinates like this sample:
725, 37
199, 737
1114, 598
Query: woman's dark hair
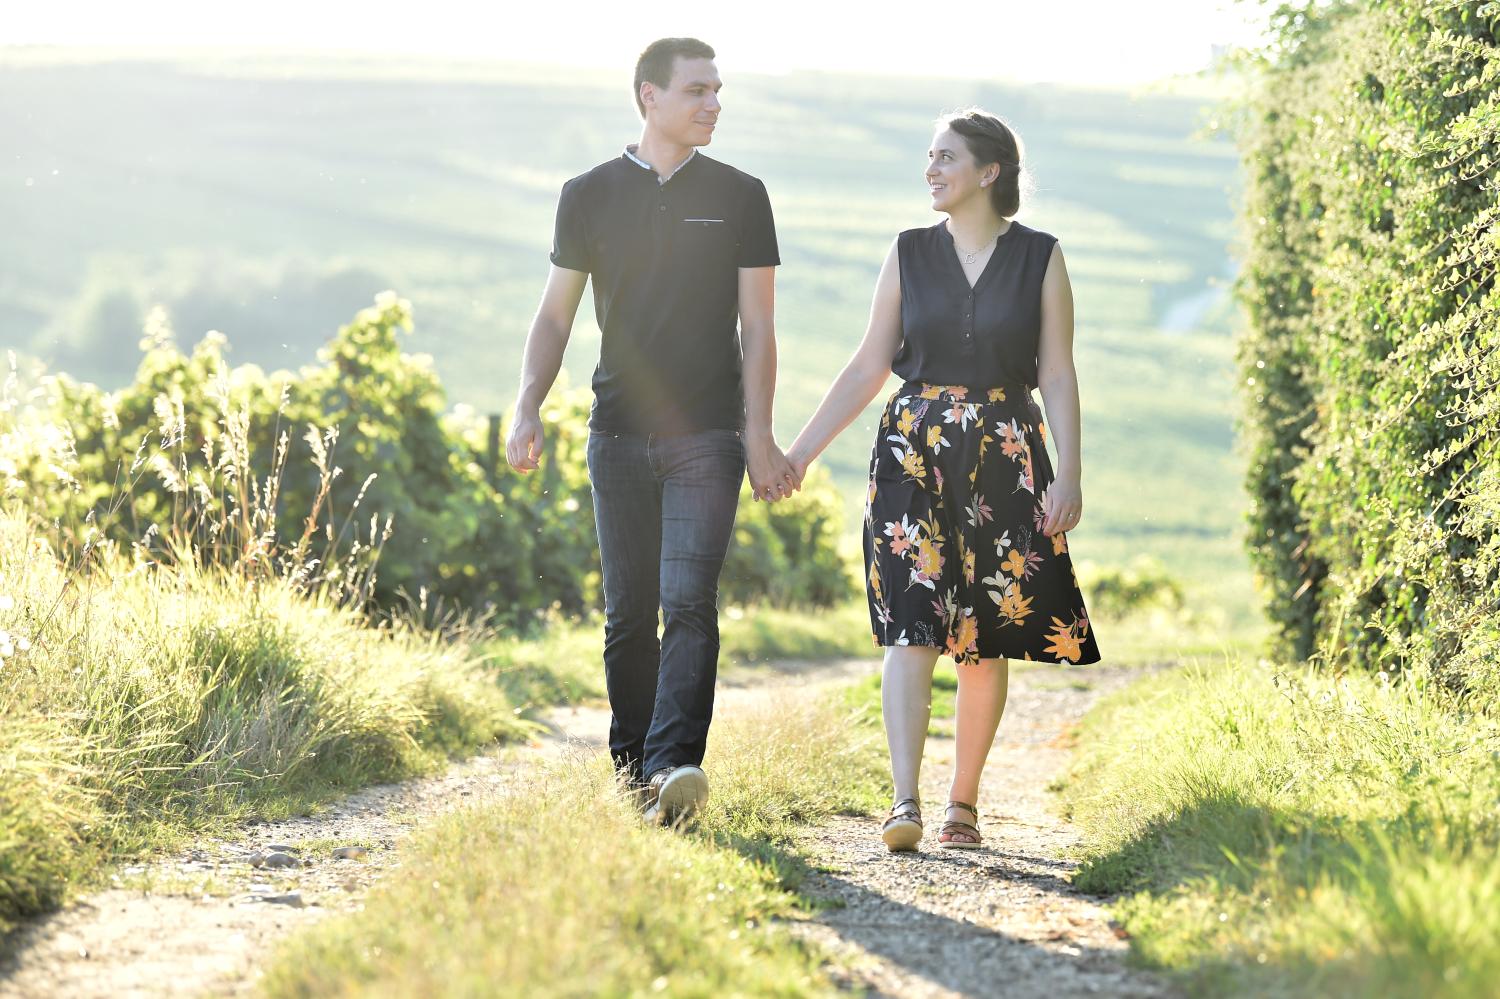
657, 62
990, 140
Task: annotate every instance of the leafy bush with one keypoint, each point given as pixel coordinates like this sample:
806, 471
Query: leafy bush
198, 461
1372, 369
1115, 591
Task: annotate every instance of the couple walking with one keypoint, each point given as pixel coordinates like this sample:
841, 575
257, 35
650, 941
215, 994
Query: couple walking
965, 550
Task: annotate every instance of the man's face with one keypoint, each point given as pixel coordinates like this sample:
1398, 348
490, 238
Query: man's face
686, 110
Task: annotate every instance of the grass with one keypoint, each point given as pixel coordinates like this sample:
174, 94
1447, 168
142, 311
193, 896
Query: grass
1290, 834
156, 704
563, 662
557, 888
150, 704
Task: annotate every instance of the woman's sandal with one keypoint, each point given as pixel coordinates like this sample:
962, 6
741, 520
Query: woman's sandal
950, 829
903, 830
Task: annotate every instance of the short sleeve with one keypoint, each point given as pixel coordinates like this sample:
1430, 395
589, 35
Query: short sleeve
570, 247
757, 230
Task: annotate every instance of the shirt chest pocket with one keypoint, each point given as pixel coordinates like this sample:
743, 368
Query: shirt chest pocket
711, 239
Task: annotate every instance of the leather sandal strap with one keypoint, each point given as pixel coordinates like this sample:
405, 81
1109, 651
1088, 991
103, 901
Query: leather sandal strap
905, 810
968, 808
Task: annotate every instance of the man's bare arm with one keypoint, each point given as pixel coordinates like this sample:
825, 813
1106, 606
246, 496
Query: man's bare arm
771, 476
540, 364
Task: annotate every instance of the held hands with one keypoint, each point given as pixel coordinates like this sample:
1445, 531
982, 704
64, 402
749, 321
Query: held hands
1062, 505
772, 477
524, 446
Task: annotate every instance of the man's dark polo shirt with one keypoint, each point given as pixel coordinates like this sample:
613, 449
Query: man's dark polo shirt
664, 260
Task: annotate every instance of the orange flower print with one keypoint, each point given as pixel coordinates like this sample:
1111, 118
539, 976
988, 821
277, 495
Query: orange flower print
964, 643
1015, 563
935, 439
1010, 439
1059, 543
1013, 607
997, 395
962, 413
900, 535
907, 423
969, 567
1064, 644
929, 563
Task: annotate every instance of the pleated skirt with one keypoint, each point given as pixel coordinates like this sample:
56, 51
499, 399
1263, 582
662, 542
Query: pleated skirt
954, 553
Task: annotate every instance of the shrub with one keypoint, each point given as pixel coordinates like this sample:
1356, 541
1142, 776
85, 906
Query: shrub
1372, 366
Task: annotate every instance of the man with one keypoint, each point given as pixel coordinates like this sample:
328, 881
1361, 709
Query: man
682, 251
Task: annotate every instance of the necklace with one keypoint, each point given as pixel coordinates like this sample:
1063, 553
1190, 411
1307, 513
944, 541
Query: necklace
970, 257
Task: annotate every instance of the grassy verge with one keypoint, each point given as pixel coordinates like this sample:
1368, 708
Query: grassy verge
1297, 835
564, 663
558, 889
141, 705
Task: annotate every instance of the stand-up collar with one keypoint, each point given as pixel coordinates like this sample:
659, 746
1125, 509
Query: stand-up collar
630, 151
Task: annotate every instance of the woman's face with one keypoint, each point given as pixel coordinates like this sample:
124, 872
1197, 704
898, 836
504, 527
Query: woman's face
953, 176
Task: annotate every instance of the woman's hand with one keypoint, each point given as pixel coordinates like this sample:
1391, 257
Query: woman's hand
771, 475
799, 461
1062, 505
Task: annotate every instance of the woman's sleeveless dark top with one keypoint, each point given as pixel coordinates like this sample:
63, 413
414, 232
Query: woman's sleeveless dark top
980, 337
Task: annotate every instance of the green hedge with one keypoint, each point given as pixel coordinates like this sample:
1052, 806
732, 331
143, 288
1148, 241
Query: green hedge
1371, 370
197, 460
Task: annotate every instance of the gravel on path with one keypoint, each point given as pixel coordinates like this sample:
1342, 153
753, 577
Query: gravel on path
999, 921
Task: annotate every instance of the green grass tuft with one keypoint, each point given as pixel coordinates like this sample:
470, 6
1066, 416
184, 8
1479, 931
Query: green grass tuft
558, 888
1297, 834
151, 703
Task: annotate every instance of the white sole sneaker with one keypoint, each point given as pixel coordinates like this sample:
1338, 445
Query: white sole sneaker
683, 792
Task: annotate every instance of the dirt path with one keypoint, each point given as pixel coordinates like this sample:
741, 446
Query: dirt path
202, 922
1000, 921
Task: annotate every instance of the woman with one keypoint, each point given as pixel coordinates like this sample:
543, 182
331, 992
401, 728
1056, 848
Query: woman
964, 540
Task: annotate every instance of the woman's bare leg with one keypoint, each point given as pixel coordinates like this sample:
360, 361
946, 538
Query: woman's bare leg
906, 704
982, 689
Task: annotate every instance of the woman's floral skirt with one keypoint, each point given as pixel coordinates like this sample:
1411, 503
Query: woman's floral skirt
954, 553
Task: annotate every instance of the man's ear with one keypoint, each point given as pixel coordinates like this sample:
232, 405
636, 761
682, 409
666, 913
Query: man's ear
648, 93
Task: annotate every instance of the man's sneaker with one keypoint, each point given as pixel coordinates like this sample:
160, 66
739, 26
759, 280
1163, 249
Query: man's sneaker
634, 791
673, 794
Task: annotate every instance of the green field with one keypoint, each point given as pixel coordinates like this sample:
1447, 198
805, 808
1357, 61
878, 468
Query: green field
270, 197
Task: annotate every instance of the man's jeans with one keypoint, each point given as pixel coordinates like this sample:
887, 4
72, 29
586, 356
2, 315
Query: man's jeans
664, 507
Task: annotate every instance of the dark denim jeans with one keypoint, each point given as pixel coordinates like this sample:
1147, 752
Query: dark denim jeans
664, 507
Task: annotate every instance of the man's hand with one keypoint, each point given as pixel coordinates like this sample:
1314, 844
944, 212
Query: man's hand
772, 477
524, 446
